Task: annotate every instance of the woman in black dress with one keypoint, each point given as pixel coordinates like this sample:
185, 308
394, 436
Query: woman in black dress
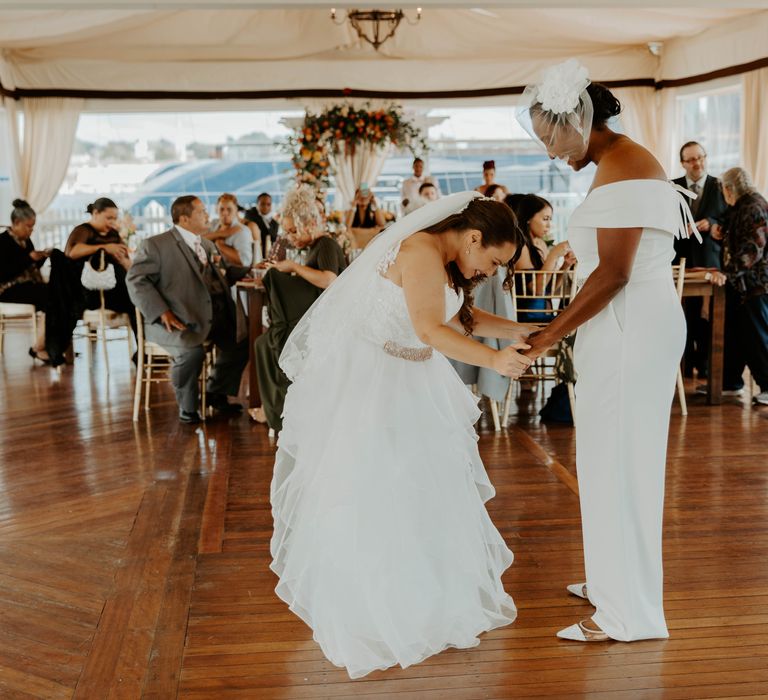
20, 279
87, 242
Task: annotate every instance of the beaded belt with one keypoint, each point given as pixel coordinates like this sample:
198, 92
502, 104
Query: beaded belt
404, 353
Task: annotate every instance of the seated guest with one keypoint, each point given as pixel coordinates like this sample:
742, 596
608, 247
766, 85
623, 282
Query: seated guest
261, 217
744, 236
20, 280
99, 239
497, 192
292, 288
534, 216
233, 239
185, 300
428, 192
489, 176
365, 219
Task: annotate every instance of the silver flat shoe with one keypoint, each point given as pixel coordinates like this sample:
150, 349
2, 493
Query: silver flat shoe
579, 590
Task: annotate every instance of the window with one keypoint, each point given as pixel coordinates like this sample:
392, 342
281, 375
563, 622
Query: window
713, 118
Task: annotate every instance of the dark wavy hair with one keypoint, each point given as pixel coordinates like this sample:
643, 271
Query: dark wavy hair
497, 225
526, 208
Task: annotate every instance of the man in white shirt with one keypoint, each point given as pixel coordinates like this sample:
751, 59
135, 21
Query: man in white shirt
708, 209
411, 185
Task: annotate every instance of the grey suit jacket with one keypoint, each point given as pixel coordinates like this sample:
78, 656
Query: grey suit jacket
166, 275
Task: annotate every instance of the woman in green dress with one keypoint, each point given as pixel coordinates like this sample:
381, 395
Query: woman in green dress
292, 287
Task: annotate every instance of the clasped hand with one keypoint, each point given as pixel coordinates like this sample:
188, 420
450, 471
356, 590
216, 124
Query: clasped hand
511, 363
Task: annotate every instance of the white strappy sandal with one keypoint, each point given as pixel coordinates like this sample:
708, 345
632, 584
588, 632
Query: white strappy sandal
580, 633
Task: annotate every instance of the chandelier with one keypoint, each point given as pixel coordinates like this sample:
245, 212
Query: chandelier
375, 26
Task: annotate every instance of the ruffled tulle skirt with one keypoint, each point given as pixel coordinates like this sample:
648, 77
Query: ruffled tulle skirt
382, 542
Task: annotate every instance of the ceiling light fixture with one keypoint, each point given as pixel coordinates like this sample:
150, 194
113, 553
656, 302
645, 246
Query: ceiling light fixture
375, 26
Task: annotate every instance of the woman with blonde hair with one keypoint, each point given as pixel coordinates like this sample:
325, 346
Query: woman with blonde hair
292, 287
233, 239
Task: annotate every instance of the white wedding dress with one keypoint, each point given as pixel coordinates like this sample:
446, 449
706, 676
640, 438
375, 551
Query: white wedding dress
382, 542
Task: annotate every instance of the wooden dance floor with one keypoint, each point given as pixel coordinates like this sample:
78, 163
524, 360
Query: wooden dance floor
134, 558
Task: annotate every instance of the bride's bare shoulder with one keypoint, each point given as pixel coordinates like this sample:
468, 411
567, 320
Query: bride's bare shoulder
422, 245
628, 161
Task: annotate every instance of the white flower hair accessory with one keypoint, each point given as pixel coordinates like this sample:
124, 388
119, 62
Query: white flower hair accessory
561, 86
557, 111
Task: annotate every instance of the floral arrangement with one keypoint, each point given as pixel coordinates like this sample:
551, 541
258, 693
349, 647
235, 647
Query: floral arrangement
342, 128
127, 229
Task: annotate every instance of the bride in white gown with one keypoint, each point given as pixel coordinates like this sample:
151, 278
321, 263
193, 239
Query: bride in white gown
382, 543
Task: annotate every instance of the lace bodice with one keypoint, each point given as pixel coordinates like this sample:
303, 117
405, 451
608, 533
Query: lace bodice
388, 319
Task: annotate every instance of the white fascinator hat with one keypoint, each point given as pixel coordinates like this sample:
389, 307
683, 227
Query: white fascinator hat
557, 111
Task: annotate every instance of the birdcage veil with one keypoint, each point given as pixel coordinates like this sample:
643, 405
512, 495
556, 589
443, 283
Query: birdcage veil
557, 111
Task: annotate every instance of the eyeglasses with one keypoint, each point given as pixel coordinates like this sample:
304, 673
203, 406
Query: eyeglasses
695, 160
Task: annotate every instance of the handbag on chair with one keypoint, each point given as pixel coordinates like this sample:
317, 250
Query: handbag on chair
101, 279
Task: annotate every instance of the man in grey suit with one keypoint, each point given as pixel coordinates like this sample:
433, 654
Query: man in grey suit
185, 300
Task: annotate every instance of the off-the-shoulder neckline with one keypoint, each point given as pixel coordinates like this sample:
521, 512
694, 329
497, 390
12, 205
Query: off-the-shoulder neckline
619, 182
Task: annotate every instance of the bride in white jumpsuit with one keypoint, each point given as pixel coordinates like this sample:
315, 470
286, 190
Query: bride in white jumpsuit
631, 335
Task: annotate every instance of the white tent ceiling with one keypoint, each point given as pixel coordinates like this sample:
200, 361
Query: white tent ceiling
106, 49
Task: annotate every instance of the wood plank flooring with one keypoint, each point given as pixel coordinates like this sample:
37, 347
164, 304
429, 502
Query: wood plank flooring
134, 558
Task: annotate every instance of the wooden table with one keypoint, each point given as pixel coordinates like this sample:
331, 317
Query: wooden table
696, 286
256, 298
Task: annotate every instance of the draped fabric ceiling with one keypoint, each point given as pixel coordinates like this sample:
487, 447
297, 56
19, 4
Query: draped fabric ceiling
139, 54
298, 49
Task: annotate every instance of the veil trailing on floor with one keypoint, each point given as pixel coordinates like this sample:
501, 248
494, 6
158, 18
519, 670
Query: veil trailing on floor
344, 304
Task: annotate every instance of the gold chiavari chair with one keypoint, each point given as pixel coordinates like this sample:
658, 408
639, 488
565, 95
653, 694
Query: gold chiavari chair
543, 295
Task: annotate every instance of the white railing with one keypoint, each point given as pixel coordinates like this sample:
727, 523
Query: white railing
54, 226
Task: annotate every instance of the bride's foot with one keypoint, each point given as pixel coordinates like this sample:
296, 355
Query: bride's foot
579, 590
584, 631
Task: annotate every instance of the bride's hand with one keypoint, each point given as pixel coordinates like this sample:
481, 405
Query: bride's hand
509, 362
524, 330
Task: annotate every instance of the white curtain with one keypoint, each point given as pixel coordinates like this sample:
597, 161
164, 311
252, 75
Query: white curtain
50, 124
353, 166
39, 159
649, 117
754, 142
10, 144
638, 115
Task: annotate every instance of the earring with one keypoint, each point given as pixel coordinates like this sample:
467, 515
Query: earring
467, 250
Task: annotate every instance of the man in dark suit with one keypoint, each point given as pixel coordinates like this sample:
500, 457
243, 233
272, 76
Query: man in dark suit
185, 300
261, 215
708, 209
